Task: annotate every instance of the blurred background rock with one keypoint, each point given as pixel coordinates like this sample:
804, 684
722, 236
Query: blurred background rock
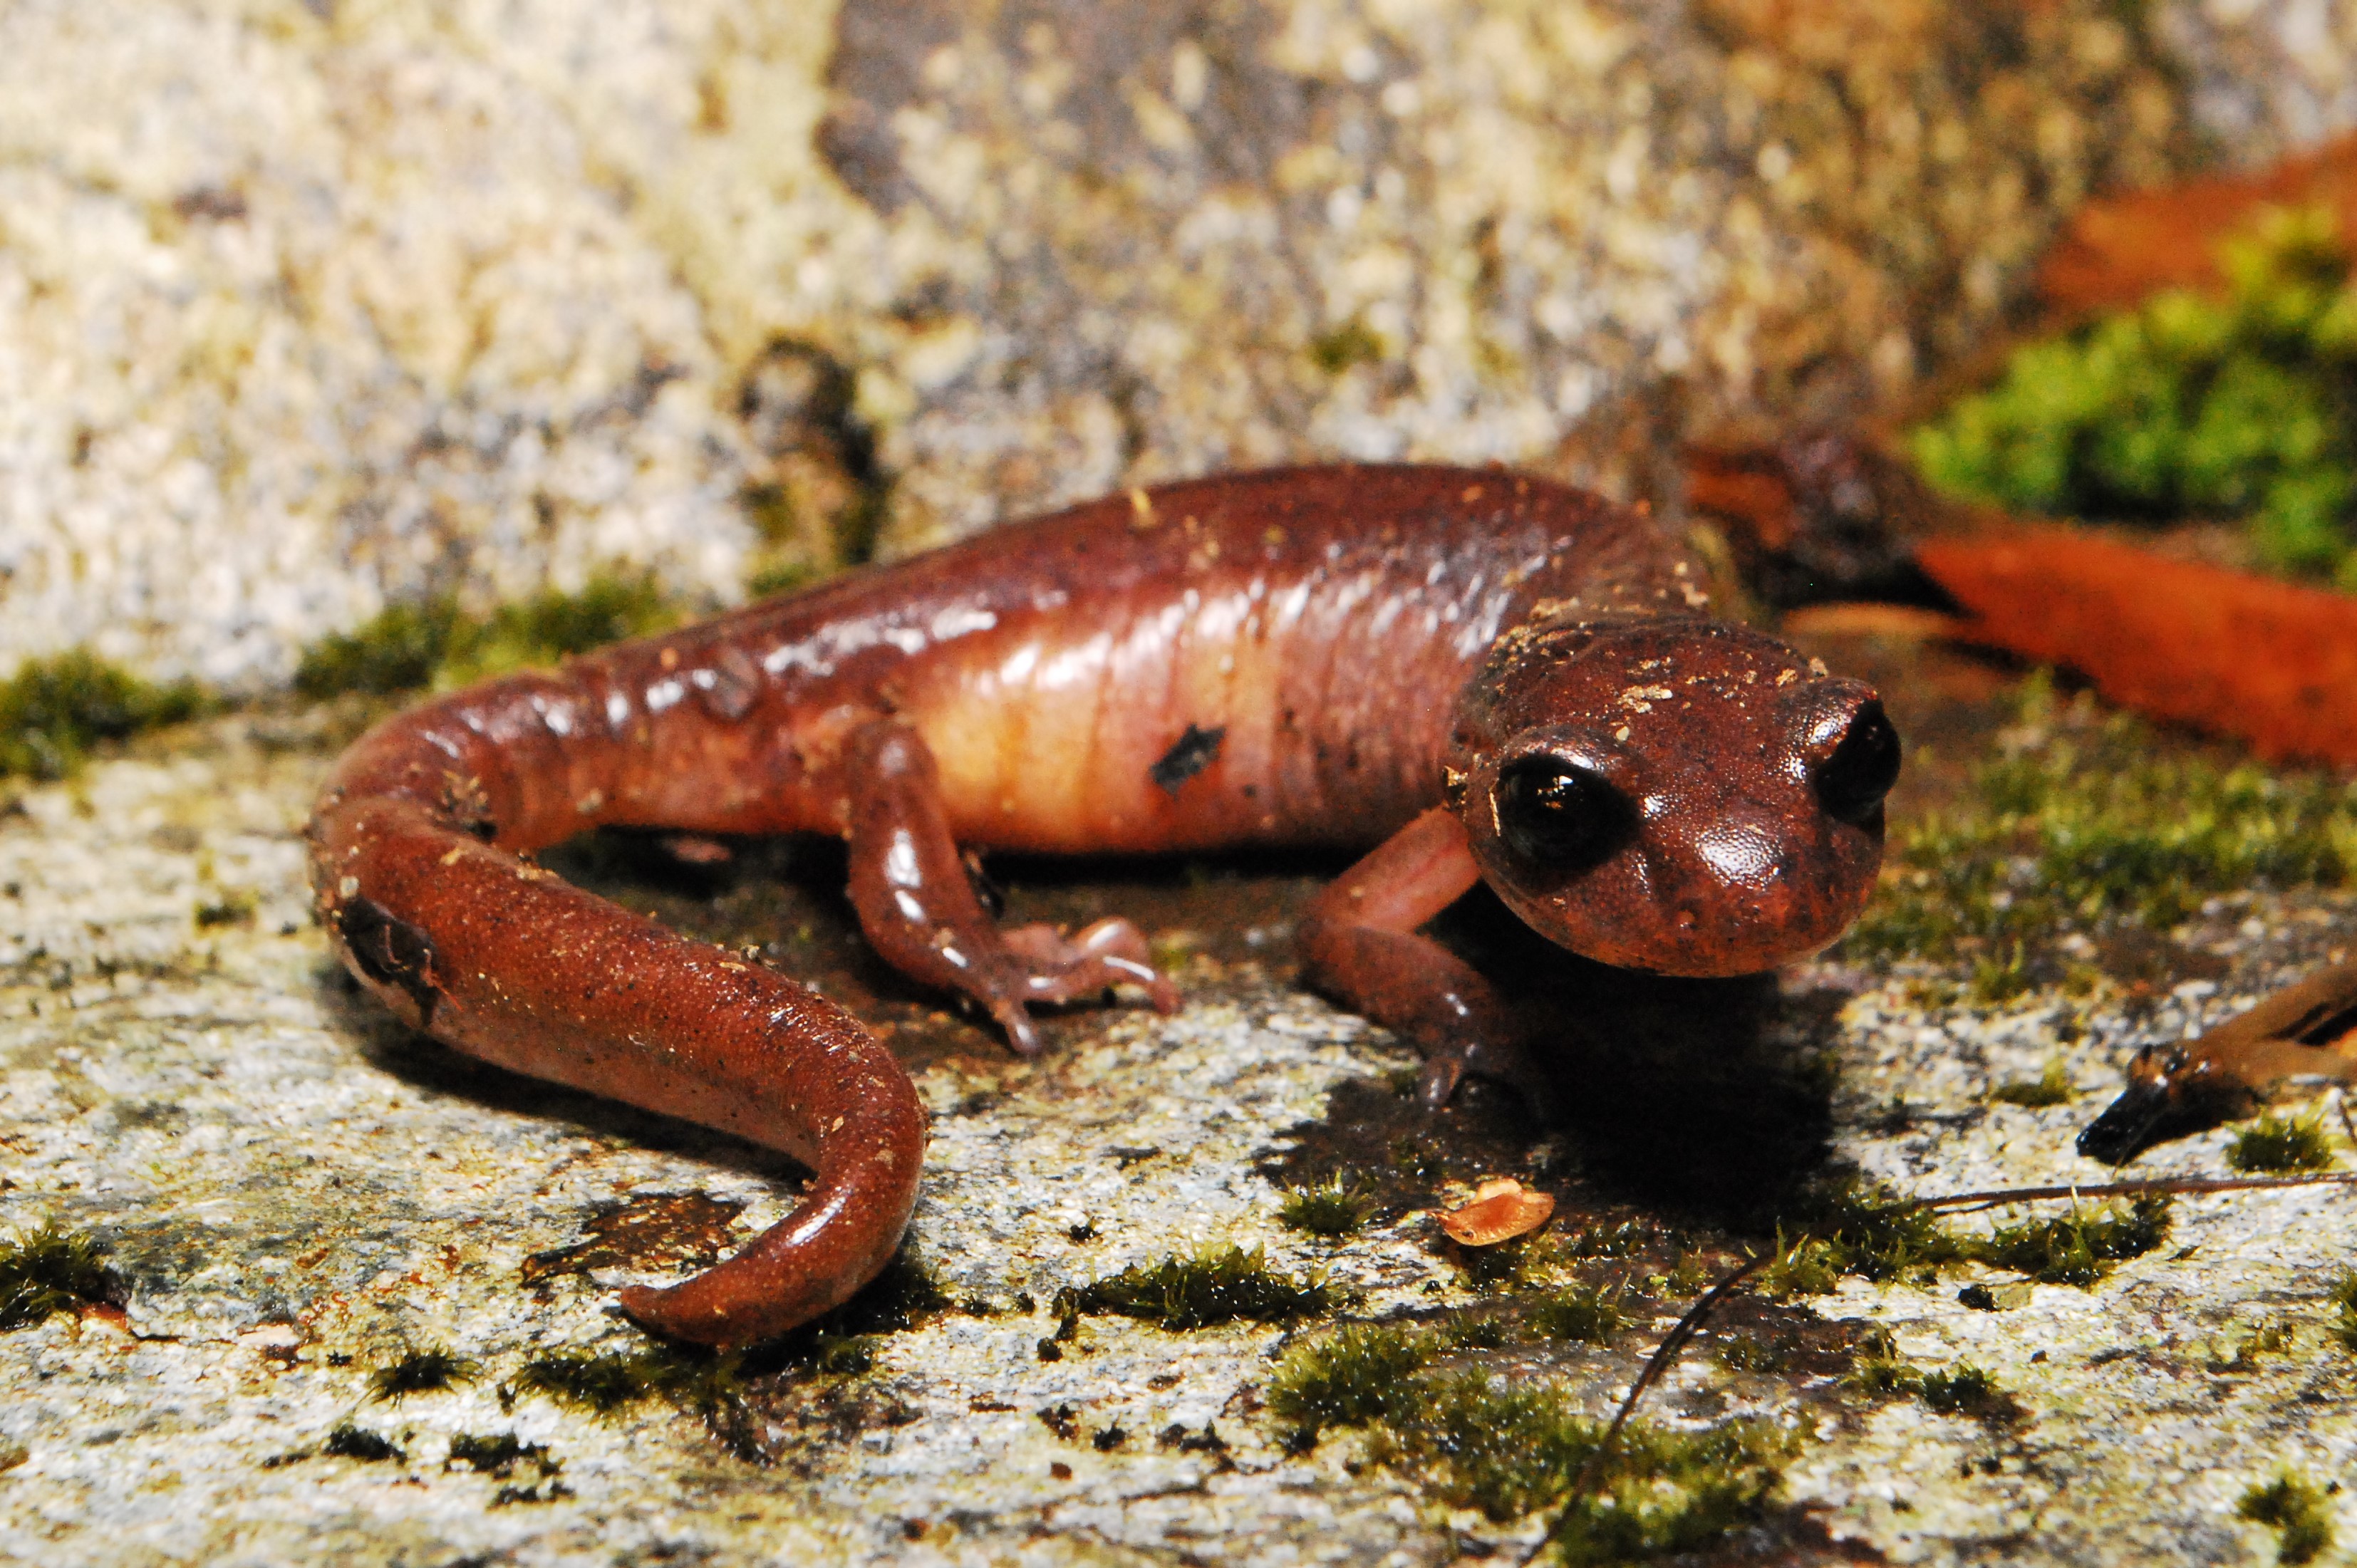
308, 308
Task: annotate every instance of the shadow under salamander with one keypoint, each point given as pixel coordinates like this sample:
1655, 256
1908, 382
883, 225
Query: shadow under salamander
1706, 1095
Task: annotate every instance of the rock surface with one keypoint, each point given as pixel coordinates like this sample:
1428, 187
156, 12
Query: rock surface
296, 1195
308, 307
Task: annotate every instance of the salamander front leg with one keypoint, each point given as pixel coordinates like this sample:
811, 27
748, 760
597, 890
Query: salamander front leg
919, 909
1359, 945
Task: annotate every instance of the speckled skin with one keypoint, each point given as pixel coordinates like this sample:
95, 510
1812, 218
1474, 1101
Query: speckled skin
1337, 656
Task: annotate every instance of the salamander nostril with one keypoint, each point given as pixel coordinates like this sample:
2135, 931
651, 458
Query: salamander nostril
1560, 815
1852, 782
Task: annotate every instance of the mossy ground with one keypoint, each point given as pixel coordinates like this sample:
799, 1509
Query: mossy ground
432, 643
1214, 1285
53, 710
2078, 824
2241, 406
1512, 1450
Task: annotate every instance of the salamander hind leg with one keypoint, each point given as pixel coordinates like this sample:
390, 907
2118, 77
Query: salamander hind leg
1359, 946
918, 906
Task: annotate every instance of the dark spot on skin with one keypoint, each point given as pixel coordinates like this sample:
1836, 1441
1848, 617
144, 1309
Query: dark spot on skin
391, 953
1188, 754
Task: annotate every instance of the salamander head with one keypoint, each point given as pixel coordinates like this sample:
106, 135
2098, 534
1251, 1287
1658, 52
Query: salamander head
1675, 795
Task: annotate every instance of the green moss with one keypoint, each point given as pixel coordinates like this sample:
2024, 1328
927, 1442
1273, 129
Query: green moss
1866, 1231
498, 1453
1216, 1284
2076, 826
407, 645
1352, 344
1356, 1375
1612, 1241
350, 1442
1742, 1353
2051, 1086
1511, 1451
606, 1383
1332, 1208
48, 1270
420, 1370
2344, 1300
2245, 406
1960, 1390
2076, 1248
235, 907
2277, 1143
1966, 1390
2296, 1510
1579, 1313
53, 710
397, 650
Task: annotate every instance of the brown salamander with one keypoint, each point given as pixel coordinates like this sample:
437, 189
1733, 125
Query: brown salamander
1488, 677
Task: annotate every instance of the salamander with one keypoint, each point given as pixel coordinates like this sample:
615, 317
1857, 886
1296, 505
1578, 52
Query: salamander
1485, 676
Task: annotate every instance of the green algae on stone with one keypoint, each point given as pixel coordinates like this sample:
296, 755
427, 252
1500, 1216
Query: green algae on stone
53, 710
2076, 826
2245, 406
2278, 1145
2294, 1507
432, 643
1218, 1284
49, 1270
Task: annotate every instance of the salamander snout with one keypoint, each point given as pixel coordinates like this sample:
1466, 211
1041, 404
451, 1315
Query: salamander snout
1694, 800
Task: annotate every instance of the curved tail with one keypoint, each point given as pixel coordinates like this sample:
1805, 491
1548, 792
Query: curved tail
416, 877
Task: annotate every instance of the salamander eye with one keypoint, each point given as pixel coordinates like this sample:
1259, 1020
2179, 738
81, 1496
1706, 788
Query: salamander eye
1559, 814
1862, 769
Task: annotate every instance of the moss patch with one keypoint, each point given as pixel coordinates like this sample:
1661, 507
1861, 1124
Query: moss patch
2077, 826
47, 1271
2051, 1086
53, 710
1514, 1451
1332, 1208
408, 646
498, 1453
2295, 1509
350, 1442
2246, 406
2281, 1143
1215, 1284
422, 1370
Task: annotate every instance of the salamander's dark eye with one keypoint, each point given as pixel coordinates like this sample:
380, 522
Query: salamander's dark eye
1862, 769
1558, 815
